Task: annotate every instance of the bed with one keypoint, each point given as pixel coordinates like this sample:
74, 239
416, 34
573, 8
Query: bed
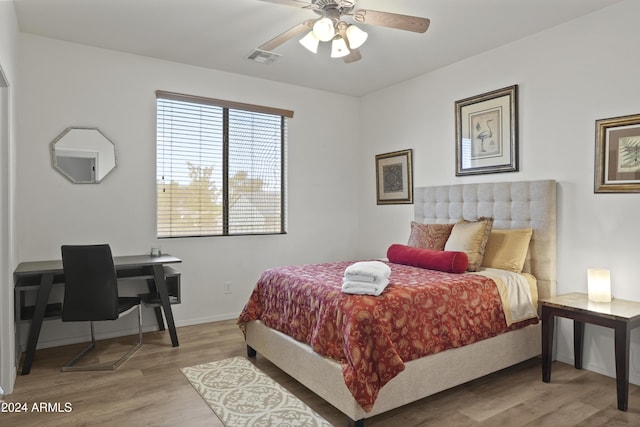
511, 205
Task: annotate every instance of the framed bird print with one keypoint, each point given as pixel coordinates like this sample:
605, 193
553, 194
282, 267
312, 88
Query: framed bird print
487, 132
617, 157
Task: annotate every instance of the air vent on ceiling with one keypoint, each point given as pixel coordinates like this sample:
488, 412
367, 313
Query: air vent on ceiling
262, 56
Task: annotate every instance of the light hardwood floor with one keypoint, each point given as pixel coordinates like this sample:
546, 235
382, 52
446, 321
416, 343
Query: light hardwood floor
149, 390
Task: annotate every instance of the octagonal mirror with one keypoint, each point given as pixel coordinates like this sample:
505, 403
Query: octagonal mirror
83, 155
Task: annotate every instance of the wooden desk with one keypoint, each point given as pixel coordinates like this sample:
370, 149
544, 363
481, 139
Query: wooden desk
620, 315
41, 275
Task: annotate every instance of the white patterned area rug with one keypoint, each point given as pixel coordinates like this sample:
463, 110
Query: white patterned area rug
243, 396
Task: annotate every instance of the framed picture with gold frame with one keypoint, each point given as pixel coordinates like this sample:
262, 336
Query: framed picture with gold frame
394, 177
617, 157
487, 132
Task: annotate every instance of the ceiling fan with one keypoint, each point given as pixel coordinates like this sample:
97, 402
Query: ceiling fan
345, 38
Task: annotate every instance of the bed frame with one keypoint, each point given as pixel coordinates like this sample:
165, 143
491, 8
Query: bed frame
512, 205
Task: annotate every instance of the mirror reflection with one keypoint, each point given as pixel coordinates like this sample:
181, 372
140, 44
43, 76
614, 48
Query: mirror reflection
83, 155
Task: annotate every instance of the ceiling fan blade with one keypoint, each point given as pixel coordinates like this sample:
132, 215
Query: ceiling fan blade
391, 20
294, 3
354, 55
287, 35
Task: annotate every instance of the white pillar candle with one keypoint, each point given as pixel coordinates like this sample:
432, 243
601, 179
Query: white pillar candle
599, 284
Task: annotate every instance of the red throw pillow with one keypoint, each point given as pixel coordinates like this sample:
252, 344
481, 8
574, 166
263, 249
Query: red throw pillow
447, 261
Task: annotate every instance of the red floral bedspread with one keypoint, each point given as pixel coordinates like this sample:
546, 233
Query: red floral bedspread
421, 312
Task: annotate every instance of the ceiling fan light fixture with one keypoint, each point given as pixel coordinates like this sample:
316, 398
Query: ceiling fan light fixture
327, 26
356, 36
339, 48
324, 29
310, 41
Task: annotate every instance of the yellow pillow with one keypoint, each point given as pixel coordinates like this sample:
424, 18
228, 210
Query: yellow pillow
507, 249
470, 237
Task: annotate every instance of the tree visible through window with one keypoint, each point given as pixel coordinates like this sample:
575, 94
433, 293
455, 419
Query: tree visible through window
220, 167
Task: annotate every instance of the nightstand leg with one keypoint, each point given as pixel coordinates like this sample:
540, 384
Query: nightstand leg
547, 342
622, 339
578, 343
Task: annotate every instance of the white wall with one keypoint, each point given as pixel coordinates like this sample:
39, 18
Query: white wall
8, 76
73, 85
568, 77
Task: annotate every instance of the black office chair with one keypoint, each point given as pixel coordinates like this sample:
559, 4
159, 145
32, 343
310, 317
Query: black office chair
91, 294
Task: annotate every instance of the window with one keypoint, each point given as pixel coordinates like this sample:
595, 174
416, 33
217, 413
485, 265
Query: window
220, 167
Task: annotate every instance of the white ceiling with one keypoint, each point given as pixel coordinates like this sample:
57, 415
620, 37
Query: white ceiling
219, 34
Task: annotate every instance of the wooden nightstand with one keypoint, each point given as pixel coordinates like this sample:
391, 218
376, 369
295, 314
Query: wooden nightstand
620, 315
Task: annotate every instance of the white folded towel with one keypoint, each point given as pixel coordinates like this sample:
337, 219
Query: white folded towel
361, 277
366, 278
367, 271
364, 288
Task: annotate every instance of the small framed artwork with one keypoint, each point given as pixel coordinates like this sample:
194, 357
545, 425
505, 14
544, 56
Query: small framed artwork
617, 159
487, 132
394, 177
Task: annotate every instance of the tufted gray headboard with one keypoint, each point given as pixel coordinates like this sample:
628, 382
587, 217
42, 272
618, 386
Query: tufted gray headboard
520, 204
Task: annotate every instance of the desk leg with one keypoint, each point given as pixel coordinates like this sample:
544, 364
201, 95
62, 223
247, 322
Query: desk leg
151, 284
161, 286
622, 339
548, 320
46, 281
578, 343
17, 312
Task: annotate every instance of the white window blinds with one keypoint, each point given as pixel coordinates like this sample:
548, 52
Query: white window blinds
220, 167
